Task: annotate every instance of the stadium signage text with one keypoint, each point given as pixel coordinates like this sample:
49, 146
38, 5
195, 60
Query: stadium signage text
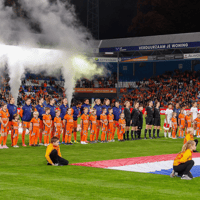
191, 55
152, 47
102, 59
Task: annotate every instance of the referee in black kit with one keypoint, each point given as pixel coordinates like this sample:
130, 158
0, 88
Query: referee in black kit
149, 119
156, 119
134, 120
127, 115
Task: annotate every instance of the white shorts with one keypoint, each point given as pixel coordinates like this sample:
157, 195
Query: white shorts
167, 127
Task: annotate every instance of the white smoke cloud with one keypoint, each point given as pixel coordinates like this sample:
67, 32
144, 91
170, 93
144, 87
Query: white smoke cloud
59, 27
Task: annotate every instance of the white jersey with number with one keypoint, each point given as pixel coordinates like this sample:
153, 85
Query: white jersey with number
194, 112
168, 112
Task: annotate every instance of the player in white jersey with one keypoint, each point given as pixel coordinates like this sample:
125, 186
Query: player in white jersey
168, 122
194, 112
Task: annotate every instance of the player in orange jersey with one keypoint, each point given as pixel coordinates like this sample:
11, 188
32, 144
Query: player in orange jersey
76, 114
104, 123
174, 125
47, 125
4, 119
188, 119
58, 125
93, 125
84, 125
69, 124
15, 127
122, 127
181, 122
34, 129
197, 122
111, 132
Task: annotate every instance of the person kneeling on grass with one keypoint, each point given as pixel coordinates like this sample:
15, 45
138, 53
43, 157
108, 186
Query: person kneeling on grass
183, 162
53, 154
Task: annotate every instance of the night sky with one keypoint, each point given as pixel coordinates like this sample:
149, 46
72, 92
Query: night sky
133, 18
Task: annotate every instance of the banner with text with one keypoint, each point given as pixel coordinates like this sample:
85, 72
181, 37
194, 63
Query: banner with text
136, 59
191, 55
152, 47
104, 59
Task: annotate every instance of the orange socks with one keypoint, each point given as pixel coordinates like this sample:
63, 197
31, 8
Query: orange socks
46, 139
40, 137
15, 140
103, 135
173, 133
75, 135
11, 138
97, 135
23, 136
4, 140
1, 138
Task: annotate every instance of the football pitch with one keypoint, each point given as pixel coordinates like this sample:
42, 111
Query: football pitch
25, 175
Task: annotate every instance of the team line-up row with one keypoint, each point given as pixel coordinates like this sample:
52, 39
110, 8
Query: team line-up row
54, 122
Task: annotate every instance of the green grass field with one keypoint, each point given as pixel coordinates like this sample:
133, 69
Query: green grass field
25, 175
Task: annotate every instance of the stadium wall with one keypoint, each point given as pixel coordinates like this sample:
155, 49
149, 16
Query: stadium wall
140, 70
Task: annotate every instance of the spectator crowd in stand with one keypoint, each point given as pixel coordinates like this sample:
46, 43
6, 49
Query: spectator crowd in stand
177, 86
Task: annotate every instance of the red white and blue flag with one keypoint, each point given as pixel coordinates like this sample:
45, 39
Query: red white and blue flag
161, 164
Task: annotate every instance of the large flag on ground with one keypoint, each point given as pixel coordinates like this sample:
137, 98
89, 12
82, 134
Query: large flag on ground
161, 164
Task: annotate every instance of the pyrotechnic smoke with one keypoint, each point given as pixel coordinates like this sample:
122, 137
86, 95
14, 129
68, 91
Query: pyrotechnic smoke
59, 27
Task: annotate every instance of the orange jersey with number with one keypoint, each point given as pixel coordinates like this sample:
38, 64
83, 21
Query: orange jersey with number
182, 118
47, 119
110, 119
104, 119
93, 120
174, 123
69, 119
35, 122
15, 125
197, 120
122, 122
85, 119
58, 122
188, 120
4, 116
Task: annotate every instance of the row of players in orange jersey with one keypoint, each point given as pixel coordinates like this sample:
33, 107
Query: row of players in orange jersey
56, 127
106, 122
185, 122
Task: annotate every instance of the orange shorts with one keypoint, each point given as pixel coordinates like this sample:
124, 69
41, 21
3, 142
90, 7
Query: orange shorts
104, 128
26, 125
98, 123
3, 129
47, 130
75, 124
63, 125
182, 126
41, 125
110, 128
69, 129
116, 124
35, 132
9, 125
